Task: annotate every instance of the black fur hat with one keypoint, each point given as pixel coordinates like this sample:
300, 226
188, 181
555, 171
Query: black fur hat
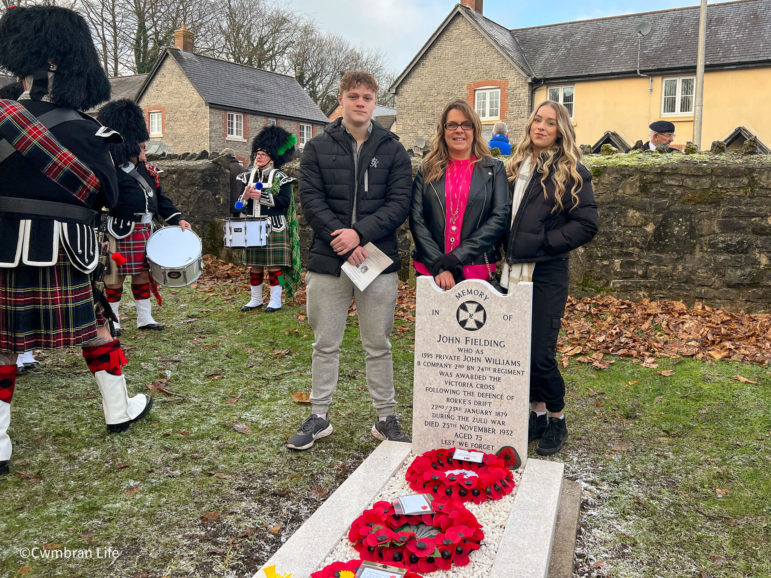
277, 142
34, 37
127, 118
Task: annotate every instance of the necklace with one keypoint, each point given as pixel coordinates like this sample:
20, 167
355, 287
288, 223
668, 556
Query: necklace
458, 180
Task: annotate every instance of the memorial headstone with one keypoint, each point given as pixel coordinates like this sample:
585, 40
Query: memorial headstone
472, 367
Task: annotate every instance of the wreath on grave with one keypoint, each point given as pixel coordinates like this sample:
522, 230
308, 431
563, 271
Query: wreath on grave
437, 473
348, 570
421, 543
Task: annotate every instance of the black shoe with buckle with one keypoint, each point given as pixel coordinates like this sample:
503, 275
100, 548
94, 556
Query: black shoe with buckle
248, 307
151, 327
553, 438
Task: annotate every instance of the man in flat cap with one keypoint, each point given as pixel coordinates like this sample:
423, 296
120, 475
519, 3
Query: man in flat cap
661, 135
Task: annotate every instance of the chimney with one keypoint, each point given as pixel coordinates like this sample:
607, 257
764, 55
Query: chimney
475, 5
183, 39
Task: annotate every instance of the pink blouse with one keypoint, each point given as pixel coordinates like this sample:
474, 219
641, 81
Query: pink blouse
457, 183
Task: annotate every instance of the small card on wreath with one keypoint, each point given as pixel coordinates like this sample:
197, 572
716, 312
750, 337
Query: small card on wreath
468, 456
414, 504
375, 570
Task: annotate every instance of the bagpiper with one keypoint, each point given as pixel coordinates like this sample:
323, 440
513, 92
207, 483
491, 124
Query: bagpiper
268, 193
55, 173
130, 222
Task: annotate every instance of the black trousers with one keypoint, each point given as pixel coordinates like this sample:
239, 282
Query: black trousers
550, 293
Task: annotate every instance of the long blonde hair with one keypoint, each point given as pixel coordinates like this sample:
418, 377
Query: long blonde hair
561, 159
435, 162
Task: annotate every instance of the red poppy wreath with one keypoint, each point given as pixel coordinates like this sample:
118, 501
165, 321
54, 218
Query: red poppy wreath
348, 570
437, 473
421, 543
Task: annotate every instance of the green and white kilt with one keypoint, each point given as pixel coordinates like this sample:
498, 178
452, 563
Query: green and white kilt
275, 253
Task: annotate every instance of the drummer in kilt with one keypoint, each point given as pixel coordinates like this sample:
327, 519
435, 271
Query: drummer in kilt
52, 181
268, 193
130, 223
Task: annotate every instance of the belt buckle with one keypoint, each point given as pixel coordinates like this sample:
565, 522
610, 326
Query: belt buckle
146, 218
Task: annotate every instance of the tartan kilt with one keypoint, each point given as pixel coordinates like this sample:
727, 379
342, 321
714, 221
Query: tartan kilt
275, 252
46, 307
134, 249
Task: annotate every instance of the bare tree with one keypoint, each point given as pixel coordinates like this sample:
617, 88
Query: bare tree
319, 60
257, 34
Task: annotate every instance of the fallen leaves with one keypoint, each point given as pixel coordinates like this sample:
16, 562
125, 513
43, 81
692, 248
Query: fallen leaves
647, 330
301, 397
744, 379
211, 516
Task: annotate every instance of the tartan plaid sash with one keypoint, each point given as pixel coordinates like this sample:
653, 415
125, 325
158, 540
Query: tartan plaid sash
38, 145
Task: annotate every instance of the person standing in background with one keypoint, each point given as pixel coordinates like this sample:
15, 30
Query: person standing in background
500, 139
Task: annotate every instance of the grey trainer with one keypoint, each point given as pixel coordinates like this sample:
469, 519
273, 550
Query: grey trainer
312, 429
389, 430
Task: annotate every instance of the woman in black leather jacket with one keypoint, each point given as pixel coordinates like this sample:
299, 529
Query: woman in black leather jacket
553, 212
460, 202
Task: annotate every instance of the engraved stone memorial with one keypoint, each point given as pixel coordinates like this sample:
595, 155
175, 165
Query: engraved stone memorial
472, 367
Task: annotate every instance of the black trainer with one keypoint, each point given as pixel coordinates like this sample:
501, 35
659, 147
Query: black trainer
536, 425
553, 438
312, 429
389, 430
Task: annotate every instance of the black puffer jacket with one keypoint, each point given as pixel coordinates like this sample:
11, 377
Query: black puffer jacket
327, 177
537, 234
484, 222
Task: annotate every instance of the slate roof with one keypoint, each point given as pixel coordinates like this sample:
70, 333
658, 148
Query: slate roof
231, 86
126, 86
738, 34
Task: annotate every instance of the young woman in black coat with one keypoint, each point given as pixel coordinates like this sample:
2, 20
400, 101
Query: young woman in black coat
553, 212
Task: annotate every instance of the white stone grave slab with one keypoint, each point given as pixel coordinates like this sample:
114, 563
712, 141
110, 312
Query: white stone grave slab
472, 367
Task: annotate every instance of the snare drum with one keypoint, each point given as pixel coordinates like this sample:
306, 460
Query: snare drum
174, 256
248, 232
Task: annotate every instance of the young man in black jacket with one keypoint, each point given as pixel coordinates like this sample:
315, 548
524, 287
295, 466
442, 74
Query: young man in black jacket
355, 182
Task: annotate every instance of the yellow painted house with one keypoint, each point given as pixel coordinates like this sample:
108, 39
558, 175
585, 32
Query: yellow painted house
616, 75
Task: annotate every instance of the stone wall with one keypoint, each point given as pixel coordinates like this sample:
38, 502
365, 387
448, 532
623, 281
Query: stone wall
253, 124
671, 226
460, 60
681, 227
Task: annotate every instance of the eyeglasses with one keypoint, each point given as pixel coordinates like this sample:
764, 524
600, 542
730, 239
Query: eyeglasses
669, 135
261, 154
466, 125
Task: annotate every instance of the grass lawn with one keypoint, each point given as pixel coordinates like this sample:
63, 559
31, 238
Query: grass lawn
674, 467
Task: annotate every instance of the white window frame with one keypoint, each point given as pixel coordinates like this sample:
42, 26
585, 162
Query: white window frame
482, 102
271, 122
235, 126
156, 122
678, 95
571, 105
306, 133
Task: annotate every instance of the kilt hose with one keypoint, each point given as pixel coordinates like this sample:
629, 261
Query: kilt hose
46, 307
275, 253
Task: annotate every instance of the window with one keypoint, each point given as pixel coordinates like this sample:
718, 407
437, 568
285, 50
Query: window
488, 103
156, 123
235, 125
677, 96
563, 95
306, 132
271, 122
